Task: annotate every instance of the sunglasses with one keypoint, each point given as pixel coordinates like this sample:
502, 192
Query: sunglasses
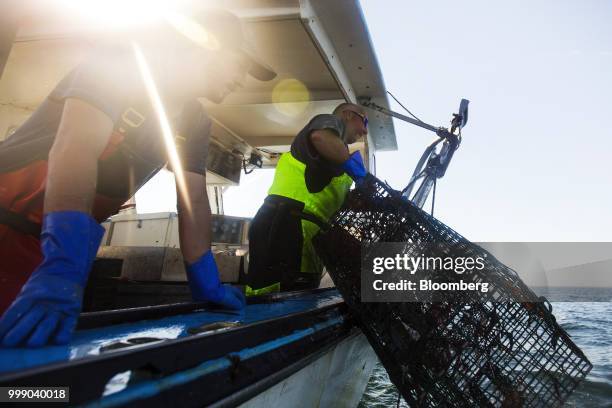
364, 118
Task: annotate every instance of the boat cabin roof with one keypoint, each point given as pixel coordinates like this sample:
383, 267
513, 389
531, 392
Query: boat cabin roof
321, 51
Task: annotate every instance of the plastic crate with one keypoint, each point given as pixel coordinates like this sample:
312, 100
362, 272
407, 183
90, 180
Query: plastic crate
456, 353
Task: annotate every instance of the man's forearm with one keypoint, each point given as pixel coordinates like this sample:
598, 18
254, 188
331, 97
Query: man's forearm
194, 232
71, 181
194, 217
73, 160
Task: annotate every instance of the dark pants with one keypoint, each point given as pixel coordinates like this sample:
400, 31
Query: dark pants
275, 246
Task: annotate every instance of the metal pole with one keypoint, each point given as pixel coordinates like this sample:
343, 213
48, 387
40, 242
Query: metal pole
405, 118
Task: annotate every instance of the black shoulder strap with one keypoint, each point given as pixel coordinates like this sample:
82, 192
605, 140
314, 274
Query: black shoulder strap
19, 222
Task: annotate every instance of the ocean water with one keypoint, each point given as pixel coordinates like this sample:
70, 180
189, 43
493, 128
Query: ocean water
587, 319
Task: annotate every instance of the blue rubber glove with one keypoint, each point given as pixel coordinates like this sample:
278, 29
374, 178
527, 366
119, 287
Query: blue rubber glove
354, 167
206, 287
48, 306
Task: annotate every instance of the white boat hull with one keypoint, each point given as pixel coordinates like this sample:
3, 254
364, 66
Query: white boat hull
336, 379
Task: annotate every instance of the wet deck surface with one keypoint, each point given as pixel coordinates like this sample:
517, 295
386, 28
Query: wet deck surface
92, 342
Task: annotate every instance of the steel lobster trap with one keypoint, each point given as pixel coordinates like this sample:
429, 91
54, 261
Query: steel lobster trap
504, 351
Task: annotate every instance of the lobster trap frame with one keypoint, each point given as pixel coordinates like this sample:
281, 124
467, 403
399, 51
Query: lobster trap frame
463, 351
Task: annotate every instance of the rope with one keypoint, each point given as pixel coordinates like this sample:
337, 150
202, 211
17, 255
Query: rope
403, 107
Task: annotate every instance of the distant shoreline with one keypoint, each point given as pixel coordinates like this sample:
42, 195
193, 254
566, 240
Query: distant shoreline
574, 294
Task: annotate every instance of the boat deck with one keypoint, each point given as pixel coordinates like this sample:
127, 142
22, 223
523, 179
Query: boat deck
121, 353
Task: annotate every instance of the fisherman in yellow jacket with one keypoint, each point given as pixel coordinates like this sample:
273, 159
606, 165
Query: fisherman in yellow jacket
310, 184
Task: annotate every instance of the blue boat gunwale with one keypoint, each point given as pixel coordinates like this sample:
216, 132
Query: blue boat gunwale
230, 380
171, 356
246, 393
90, 320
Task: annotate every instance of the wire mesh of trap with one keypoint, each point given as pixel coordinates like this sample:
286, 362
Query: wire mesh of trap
460, 352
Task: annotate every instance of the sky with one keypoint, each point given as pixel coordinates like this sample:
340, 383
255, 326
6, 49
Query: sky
535, 163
